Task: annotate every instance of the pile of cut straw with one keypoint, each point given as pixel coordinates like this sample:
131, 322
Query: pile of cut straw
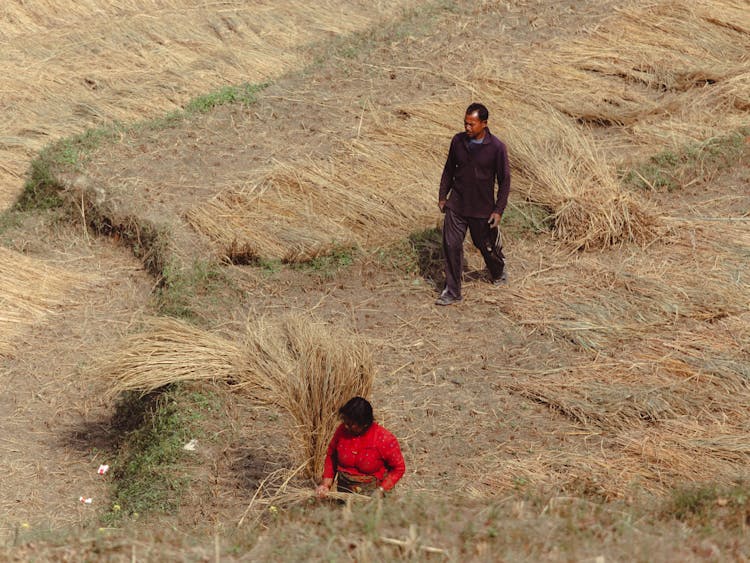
304, 367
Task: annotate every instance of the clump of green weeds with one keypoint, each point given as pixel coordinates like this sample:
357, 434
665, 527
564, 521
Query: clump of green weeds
9, 219
245, 94
147, 475
426, 248
269, 266
419, 254
526, 218
42, 188
711, 505
327, 265
180, 286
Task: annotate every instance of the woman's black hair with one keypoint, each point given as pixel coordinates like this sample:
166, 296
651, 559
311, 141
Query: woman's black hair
359, 411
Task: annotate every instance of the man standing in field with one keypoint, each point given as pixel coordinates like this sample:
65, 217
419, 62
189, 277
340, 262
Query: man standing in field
476, 160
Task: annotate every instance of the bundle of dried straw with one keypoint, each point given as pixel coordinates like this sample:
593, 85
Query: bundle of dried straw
304, 367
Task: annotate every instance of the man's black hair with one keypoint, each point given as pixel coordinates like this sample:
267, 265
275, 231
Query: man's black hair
481, 110
359, 411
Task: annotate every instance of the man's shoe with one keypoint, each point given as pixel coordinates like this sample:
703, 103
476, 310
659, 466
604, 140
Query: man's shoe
502, 280
447, 299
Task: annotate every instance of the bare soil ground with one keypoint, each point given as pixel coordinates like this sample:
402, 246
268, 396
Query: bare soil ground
54, 420
494, 400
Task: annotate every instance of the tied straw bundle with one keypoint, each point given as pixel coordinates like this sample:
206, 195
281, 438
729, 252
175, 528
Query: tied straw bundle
304, 367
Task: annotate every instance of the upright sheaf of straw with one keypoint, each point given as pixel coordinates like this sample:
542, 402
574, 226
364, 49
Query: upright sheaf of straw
305, 368
309, 370
563, 171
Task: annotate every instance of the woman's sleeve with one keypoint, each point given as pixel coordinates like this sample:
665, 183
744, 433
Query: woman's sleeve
394, 461
329, 467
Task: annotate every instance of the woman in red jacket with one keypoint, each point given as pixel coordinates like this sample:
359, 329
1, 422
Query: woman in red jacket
364, 455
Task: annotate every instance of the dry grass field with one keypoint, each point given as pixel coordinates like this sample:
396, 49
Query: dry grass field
232, 226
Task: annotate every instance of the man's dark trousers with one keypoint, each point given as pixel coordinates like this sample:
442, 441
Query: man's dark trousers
486, 239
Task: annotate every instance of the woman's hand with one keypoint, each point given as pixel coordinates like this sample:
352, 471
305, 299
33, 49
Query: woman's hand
323, 489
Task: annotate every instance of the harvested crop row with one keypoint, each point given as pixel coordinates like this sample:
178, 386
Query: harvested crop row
685, 89
29, 291
75, 65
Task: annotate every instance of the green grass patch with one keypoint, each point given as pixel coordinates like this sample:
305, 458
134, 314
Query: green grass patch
526, 218
181, 289
9, 219
269, 266
710, 506
412, 526
426, 250
245, 94
327, 265
42, 188
425, 526
419, 254
674, 169
148, 476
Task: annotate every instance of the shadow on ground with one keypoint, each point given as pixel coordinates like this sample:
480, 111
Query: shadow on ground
428, 248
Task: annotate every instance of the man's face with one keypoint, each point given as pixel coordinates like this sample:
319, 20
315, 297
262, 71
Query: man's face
474, 126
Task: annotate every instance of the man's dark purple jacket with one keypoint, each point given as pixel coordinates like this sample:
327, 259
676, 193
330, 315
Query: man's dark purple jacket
469, 176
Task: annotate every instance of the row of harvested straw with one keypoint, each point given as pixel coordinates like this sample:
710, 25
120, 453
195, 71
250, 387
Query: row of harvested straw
30, 290
655, 412
669, 73
658, 349
374, 194
304, 367
638, 293
71, 65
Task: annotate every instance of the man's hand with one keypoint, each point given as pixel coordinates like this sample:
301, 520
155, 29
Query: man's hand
494, 220
441, 205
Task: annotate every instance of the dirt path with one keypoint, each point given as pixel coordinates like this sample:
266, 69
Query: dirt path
53, 420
